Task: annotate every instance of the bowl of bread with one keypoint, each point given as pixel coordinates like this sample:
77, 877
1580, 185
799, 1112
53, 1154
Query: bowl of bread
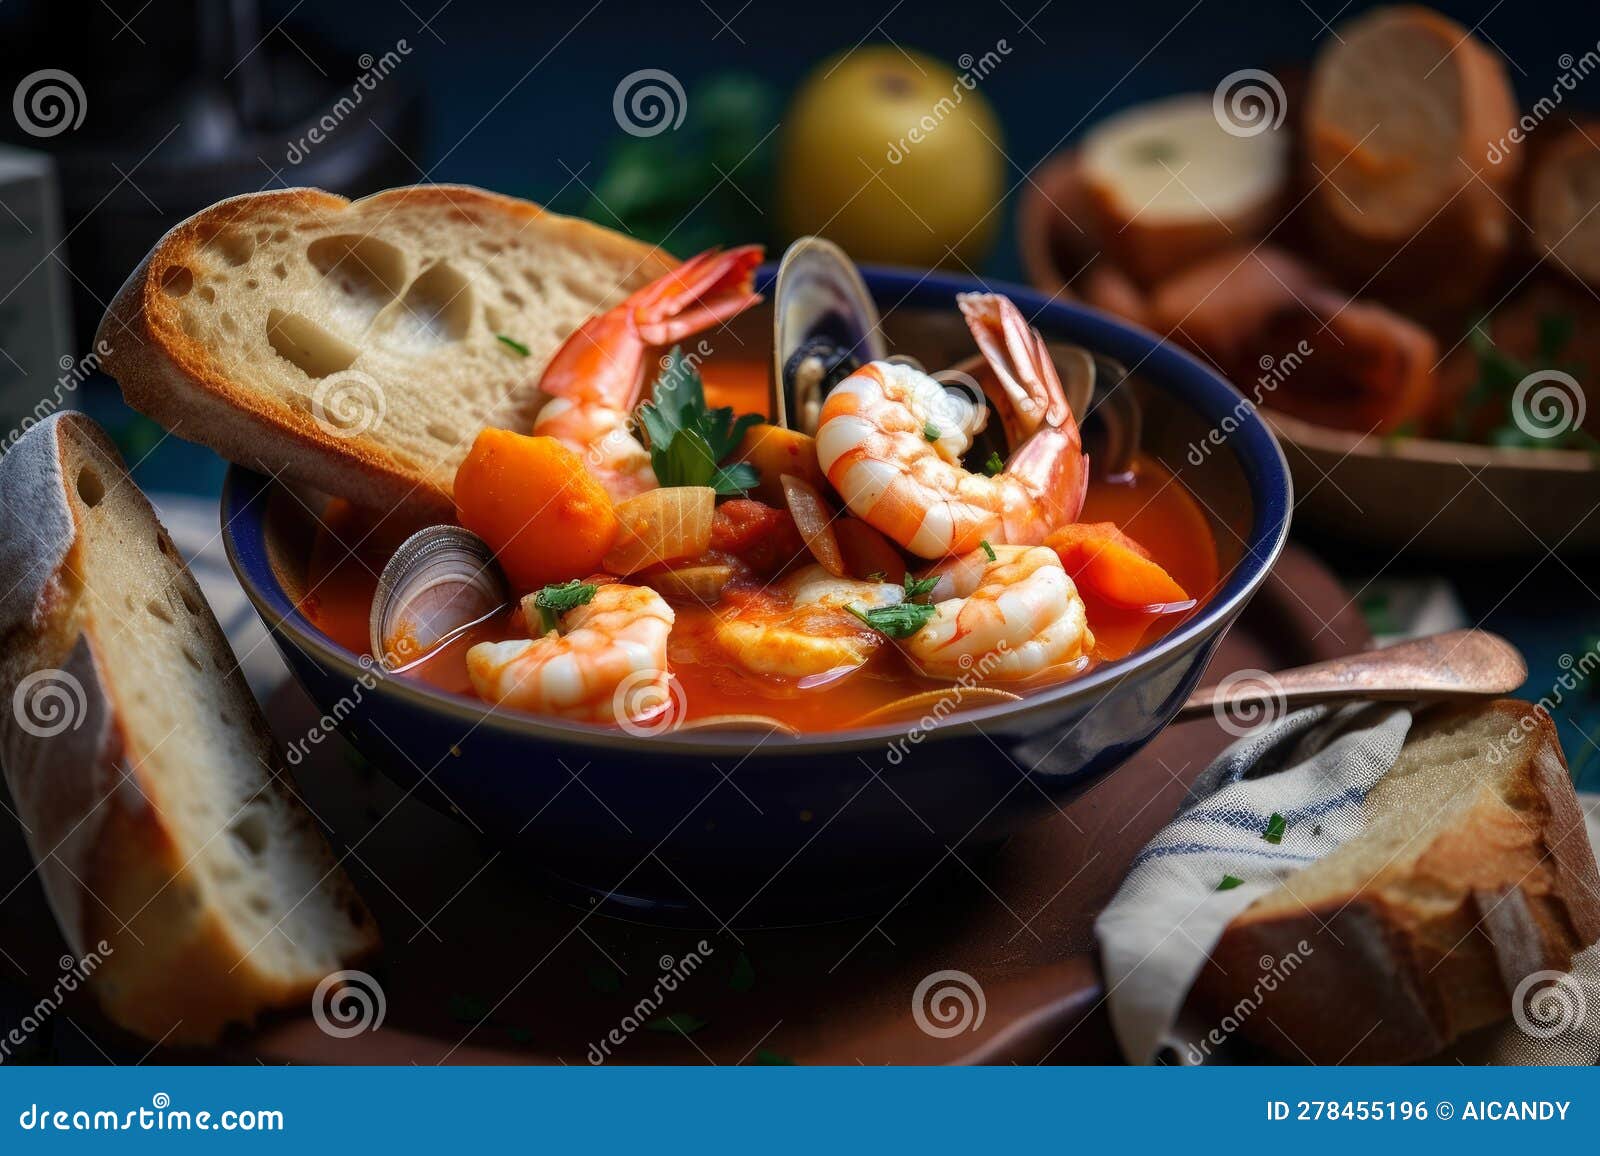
1388, 256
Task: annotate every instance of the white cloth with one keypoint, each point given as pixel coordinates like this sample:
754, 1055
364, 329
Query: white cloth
1314, 768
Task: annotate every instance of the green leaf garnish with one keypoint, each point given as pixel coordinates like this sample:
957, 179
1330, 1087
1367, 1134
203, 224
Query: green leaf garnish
676, 1022
688, 440
1229, 882
994, 465
930, 431
554, 601
901, 620
513, 343
1276, 826
917, 587
989, 550
744, 974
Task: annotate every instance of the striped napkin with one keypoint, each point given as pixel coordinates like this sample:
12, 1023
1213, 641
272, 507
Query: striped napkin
1314, 768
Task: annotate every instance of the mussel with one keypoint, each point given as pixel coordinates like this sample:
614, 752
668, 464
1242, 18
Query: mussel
825, 327
442, 581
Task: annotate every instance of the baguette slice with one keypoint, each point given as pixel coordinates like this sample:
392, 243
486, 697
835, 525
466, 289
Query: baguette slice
1473, 873
1404, 110
1168, 185
1563, 193
354, 345
142, 769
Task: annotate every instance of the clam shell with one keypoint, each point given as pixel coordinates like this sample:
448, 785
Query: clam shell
441, 580
748, 723
819, 294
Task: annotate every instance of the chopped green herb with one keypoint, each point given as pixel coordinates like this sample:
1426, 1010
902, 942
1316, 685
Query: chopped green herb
554, 601
994, 465
1229, 882
744, 974
1276, 826
917, 587
899, 621
688, 441
768, 1059
930, 431
676, 1022
513, 343
989, 550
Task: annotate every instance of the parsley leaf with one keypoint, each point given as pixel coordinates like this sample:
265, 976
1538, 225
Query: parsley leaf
930, 432
994, 465
917, 587
989, 550
513, 343
901, 620
688, 440
1276, 826
1229, 882
554, 601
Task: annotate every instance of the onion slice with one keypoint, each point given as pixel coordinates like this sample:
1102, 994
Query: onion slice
697, 582
662, 525
814, 520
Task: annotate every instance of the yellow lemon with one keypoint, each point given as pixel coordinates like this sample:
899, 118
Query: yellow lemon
895, 157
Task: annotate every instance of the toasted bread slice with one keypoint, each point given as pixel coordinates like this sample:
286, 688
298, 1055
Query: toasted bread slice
1169, 184
1403, 112
1474, 871
169, 841
355, 346
1562, 194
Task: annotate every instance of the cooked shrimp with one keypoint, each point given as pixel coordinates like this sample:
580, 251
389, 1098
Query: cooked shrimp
609, 665
1005, 619
596, 377
802, 629
888, 445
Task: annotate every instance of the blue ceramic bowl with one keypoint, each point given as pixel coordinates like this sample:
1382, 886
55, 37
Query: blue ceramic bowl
739, 829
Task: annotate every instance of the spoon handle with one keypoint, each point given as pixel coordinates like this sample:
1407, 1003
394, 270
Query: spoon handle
1459, 664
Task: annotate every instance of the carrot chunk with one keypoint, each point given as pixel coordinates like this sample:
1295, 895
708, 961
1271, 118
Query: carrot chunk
1111, 565
546, 518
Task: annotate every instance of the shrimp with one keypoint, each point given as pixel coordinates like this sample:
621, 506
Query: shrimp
803, 629
1009, 618
609, 666
596, 377
887, 444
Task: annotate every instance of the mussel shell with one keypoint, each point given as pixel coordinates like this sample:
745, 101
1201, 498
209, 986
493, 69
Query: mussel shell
740, 723
925, 703
440, 581
825, 326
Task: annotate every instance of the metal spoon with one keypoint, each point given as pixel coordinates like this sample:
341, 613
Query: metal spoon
1459, 664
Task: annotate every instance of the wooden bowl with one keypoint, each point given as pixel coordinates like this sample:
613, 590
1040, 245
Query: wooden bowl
1410, 495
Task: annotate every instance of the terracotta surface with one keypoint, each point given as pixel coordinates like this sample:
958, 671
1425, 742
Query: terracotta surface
480, 968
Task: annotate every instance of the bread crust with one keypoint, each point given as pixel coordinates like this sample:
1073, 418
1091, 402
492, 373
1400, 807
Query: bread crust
175, 379
1398, 969
121, 886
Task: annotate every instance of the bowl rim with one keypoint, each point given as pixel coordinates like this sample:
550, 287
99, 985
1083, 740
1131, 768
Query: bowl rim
1163, 365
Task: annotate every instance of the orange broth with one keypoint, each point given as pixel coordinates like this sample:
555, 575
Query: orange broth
1150, 505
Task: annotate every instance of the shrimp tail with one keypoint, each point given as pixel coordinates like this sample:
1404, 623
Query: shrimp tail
705, 290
